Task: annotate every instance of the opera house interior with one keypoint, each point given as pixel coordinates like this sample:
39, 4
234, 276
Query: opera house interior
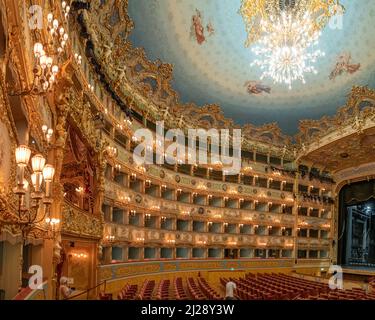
187, 150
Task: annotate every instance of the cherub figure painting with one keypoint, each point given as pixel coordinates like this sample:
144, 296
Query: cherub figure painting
198, 29
256, 87
343, 65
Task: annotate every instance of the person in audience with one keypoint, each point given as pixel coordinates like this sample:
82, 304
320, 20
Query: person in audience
65, 291
230, 287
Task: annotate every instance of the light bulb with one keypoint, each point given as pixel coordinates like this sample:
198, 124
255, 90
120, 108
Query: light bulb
48, 172
38, 49
22, 155
37, 162
49, 61
43, 61
55, 24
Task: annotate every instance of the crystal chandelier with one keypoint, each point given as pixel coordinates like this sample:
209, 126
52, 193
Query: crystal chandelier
286, 50
287, 32
253, 12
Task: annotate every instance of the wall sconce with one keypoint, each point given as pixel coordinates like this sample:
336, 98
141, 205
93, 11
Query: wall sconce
78, 58
52, 227
80, 255
48, 132
111, 151
133, 213
110, 238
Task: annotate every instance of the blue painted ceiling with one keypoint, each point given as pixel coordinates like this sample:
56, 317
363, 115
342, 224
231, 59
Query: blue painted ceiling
215, 71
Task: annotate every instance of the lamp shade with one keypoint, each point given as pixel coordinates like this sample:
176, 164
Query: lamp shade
22, 155
48, 172
37, 163
36, 180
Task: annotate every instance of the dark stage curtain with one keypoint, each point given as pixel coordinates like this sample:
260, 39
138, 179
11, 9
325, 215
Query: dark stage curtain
351, 195
359, 192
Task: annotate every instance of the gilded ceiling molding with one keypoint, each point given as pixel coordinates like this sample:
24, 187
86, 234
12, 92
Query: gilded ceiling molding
358, 109
149, 83
108, 27
351, 175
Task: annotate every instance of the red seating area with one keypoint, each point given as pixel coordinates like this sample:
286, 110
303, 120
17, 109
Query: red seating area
202, 291
163, 290
286, 287
210, 293
146, 290
276, 287
179, 290
261, 286
128, 292
194, 291
354, 294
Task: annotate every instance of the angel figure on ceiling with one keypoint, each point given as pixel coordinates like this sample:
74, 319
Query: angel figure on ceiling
256, 87
197, 29
343, 65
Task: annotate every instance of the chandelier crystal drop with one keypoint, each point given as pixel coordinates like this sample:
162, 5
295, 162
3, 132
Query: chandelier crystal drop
286, 51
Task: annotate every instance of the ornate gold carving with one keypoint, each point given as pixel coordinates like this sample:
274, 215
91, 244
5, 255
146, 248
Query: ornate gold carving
354, 113
149, 83
78, 222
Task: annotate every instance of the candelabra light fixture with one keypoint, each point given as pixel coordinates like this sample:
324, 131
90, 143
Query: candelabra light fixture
52, 225
35, 199
47, 132
48, 57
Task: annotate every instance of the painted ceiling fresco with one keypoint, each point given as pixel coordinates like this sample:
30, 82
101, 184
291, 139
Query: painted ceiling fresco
205, 42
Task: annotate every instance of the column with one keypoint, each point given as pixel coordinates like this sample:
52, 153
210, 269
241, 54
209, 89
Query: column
349, 235
125, 253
